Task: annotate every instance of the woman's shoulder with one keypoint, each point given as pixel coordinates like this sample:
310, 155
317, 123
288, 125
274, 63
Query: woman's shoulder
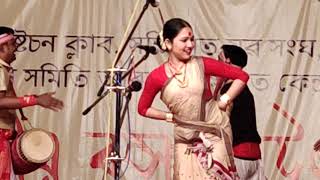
158, 69
157, 77
203, 60
157, 73
208, 58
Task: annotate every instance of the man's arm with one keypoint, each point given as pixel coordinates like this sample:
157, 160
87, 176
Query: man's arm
45, 100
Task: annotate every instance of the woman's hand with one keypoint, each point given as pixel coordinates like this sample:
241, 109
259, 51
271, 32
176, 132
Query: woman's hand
222, 105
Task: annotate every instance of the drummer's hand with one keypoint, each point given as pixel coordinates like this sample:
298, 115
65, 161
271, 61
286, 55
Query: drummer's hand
47, 100
316, 145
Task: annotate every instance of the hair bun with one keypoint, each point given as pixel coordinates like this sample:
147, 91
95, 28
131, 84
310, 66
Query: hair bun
161, 41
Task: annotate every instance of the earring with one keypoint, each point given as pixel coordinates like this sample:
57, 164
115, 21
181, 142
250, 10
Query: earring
168, 44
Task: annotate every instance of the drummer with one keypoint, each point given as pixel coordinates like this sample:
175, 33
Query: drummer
9, 102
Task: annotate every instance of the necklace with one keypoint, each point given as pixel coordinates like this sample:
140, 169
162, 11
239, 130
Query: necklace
177, 71
182, 83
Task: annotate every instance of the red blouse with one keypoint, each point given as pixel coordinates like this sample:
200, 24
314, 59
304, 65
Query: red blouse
212, 67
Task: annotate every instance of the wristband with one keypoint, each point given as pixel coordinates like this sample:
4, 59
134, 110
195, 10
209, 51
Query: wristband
26, 101
169, 117
225, 98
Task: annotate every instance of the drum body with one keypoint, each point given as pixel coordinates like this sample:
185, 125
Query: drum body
31, 149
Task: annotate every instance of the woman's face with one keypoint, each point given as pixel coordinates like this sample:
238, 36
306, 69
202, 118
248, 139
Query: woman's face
183, 44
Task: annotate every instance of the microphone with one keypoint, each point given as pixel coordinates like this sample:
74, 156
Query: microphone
154, 3
134, 87
150, 49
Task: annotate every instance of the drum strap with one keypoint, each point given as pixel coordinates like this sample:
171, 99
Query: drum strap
18, 124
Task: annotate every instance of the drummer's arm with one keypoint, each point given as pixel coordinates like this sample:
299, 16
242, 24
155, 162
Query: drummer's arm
45, 100
8, 102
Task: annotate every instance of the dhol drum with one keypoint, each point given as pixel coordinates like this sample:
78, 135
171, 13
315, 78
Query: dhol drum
30, 150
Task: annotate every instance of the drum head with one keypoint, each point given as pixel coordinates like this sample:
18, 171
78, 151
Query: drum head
37, 145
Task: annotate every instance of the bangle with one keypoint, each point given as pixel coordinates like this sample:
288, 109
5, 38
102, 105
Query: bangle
225, 98
26, 101
169, 117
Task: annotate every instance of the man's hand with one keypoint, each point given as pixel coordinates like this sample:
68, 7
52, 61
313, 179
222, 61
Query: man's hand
47, 101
